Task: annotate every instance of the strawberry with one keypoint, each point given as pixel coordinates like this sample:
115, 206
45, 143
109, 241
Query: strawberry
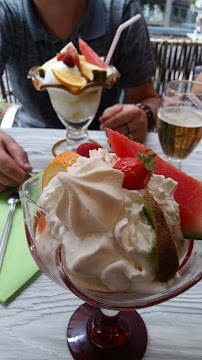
137, 170
60, 56
70, 57
71, 50
68, 60
83, 149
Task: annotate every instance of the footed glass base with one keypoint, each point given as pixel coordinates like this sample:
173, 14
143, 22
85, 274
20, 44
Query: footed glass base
175, 162
62, 146
85, 331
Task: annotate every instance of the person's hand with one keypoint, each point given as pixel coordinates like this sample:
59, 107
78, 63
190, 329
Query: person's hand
127, 119
14, 163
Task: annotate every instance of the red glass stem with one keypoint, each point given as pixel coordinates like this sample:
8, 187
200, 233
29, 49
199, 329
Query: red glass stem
108, 332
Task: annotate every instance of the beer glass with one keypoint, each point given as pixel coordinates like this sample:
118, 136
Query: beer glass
180, 119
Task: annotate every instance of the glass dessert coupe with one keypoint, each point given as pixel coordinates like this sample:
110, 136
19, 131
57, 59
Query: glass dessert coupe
116, 331
75, 107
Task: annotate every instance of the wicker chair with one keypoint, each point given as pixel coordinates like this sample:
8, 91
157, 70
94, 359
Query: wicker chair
6, 90
8, 96
175, 59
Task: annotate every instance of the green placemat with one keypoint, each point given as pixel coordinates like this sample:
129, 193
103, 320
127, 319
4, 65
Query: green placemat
18, 267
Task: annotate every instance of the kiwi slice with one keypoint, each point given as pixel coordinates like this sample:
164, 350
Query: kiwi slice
42, 69
167, 262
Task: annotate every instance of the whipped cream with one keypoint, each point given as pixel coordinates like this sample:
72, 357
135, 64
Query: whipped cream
103, 228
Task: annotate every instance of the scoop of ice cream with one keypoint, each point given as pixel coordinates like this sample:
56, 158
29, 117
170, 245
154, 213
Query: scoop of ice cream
103, 228
49, 77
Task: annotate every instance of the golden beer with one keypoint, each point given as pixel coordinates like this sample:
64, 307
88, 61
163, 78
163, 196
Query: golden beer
179, 129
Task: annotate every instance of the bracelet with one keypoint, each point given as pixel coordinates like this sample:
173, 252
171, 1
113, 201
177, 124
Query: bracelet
149, 113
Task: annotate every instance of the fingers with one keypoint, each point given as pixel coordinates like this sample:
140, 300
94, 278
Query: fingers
13, 163
127, 119
10, 173
110, 113
19, 155
111, 117
127, 128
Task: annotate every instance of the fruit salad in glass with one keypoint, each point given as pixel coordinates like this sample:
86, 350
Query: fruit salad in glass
74, 83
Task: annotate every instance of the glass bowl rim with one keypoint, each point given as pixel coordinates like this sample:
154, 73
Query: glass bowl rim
178, 92
74, 91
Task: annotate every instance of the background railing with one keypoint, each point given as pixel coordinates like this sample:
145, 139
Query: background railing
175, 59
6, 89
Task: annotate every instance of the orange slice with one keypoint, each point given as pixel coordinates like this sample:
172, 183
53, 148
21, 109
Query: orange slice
41, 224
68, 79
58, 164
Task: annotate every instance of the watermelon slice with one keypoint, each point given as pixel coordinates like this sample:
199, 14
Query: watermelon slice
91, 56
188, 193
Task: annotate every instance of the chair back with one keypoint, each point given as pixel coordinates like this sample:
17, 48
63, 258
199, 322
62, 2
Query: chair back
175, 59
6, 90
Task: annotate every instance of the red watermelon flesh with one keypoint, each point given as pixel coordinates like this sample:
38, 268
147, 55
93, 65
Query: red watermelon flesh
91, 56
188, 193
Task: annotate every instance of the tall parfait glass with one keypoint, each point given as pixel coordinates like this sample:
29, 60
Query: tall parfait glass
75, 106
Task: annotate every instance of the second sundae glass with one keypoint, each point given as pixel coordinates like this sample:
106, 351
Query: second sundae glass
75, 107
116, 331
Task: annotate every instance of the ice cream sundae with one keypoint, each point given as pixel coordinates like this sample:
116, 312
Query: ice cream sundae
74, 83
114, 237
76, 74
108, 228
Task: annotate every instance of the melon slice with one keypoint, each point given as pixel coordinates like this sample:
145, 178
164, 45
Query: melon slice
92, 72
64, 49
188, 193
91, 56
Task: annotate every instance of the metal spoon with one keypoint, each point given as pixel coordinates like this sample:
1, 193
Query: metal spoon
12, 200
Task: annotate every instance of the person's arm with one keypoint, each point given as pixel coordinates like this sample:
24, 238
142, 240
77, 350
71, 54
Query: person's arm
14, 163
134, 60
129, 119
